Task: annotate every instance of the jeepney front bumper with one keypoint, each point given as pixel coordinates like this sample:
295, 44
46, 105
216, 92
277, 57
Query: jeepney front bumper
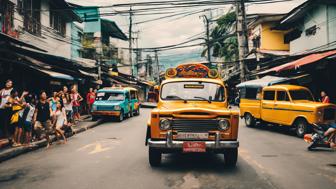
169, 143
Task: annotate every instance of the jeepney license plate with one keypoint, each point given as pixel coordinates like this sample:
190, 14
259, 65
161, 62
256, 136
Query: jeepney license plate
196, 147
199, 136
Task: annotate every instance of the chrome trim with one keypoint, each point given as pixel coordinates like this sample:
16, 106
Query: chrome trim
169, 143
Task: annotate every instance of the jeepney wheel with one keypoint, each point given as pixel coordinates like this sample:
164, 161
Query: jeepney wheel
301, 127
154, 156
121, 116
137, 112
231, 157
94, 118
249, 120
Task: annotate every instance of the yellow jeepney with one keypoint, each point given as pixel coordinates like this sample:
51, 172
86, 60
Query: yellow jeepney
192, 115
285, 105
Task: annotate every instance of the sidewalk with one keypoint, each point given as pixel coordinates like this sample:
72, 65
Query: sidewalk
7, 152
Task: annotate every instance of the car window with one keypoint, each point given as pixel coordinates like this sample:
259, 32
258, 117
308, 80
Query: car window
133, 95
282, 96
127, 96
269, 95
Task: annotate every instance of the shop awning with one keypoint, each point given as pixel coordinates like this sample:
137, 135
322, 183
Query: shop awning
263, 82
56, 75
309, 59
94, 75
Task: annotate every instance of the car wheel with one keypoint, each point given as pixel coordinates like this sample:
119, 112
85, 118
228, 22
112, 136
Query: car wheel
154, 157
249, 120
301, 127
121, 116
231, 157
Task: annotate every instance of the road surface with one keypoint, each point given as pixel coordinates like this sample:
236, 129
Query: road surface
113, 155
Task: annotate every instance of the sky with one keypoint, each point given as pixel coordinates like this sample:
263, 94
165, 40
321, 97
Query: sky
172, 30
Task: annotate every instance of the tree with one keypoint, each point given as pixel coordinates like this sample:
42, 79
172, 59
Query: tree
223, 38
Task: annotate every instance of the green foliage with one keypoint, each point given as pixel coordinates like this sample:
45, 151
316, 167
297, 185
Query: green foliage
224, 44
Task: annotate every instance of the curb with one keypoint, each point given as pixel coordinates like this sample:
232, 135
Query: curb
148, 105
14, 152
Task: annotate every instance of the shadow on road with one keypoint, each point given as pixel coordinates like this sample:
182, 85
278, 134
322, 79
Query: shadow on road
197, 162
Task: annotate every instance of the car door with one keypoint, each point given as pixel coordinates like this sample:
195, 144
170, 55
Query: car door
267, 105
282, 107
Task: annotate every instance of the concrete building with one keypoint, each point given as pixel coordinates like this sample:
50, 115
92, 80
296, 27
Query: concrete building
310, 27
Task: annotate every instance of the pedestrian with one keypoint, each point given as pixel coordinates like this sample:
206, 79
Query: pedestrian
324, 97
27, 118
53, 101
17, 107
90, 98
67, 104
5, 109
76, 99
60, 121
42, 118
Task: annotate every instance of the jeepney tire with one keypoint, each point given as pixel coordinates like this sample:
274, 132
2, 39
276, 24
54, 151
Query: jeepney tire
137, 112
301, 127
249, 120
121, 116
231, 157
94, 118
154, 157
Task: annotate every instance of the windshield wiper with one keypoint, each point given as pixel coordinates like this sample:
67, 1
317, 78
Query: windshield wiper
202, 98
176, 97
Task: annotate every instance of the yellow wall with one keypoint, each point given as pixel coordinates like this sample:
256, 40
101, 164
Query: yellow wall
272, 39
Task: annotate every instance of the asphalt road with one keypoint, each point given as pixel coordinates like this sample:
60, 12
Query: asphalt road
113, 155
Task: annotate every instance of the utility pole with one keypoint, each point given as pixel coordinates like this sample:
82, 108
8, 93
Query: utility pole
130, 40
242, 36
138, 53
207, 24
157, 64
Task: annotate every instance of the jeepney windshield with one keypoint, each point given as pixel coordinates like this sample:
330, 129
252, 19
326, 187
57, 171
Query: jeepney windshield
110, 96
193, 91
301, 95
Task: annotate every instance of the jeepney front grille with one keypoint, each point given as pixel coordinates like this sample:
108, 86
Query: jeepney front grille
196, 125
329, 114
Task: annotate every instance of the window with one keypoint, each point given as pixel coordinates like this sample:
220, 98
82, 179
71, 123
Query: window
127, 96
282, 96
249, 93
110, 96
193, 91
57, 21
292, 35
133, 95
311, 31
269, 95
32, 17
6, 16
301, 95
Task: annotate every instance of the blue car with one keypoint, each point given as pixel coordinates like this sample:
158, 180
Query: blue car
113, 102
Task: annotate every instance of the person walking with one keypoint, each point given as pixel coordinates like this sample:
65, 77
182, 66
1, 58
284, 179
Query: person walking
67, 104
17, 105
90, 98
76, 99
27, 119
60, 121
324, 97
5, 109
42, 117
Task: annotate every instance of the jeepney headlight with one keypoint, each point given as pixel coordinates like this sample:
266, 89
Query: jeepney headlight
117, 107
165, 124
223, 124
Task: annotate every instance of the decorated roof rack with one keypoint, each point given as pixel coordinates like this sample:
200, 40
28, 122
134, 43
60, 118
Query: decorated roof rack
192, 70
